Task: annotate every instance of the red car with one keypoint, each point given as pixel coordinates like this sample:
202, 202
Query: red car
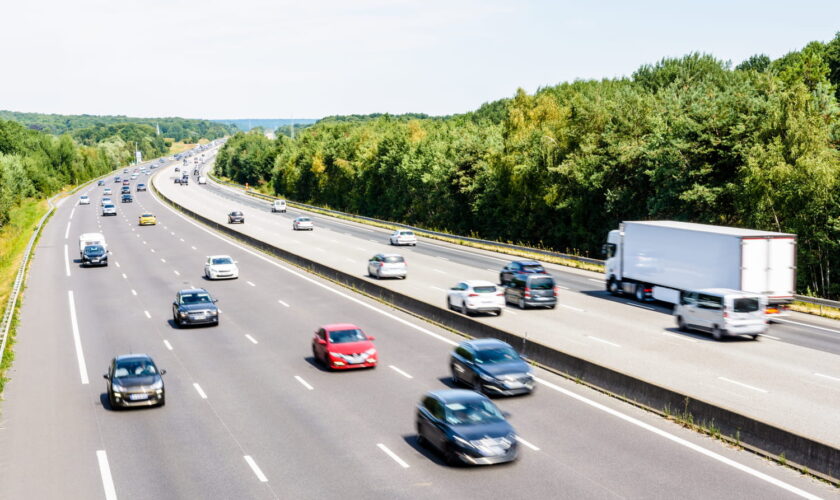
343, 346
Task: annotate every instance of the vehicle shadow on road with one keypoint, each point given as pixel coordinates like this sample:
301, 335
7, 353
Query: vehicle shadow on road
317, 364
103, 399
428, 452
653, 306
707, 337
450, 382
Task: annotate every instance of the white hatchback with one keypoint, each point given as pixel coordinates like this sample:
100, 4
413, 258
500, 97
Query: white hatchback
387, 265
220, 267
476, 296
84, 200
303, 224
403, 237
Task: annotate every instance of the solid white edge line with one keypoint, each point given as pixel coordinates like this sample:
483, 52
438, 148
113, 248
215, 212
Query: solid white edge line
393, 455
779, 320
680, 441
67, 231
742, 384
404, 374
252, 339
639, 306
256, 468
282, 303
526, 443
167, 344
827, 376
681, 337
66, 261
105, 472
77, 339
199, 390
304, 382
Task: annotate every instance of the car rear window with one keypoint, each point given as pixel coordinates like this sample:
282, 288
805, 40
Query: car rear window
542, 283
485, 289
745, 305
394, 259
406, 233
533, 268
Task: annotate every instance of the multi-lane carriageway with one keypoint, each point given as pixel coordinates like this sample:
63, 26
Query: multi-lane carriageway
249, 415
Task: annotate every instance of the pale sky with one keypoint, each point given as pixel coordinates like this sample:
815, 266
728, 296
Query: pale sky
308, 59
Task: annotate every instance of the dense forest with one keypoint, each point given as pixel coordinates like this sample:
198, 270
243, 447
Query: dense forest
689, 138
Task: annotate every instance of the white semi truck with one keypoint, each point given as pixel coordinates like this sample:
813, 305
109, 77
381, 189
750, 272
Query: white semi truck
661, 259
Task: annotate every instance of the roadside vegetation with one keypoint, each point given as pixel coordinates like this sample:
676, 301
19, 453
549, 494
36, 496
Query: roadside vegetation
690, 138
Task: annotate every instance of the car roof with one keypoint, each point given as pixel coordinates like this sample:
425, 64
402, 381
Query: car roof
475, 283
124, 357
527, 262
725, 291
192, 290
339, 326
480, 344
390, 254
453, 395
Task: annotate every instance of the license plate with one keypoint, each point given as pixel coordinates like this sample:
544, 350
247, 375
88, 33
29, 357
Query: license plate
199, 316
137, 397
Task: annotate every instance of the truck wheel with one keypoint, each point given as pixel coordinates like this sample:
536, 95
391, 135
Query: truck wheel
612, 287
717, 334
681, 326
640, 292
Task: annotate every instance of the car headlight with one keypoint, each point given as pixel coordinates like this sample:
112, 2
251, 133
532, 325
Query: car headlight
486, 378
157, 385
463, 442
183, 314
370, 352
213, 313
117, 388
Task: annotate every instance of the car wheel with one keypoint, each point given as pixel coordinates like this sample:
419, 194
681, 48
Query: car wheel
454, 373
464, 309
421, 439
177, 321
499, 312
552, 306
681, 326
521, 303
112, 402
162, 402
502, 279
640, 292
378, 275
755, 337
449, 303
450, 457
717, 333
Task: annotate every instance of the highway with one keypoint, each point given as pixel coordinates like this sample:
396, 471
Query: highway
250, 415
790, 378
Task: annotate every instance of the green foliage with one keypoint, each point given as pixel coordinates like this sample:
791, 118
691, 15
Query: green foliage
686, 138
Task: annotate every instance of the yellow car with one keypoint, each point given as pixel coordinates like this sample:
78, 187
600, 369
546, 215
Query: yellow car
148, 220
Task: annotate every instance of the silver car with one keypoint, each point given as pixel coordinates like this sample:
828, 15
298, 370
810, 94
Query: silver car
403, 237
109, 209
302, 224
387, 265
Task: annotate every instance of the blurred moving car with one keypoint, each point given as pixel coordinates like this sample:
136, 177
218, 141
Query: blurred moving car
303, 224
202, 180
141, 187
109, 209
387, 265
491, 366
220, 267
476, 296
127, 198
100, 183
465, 427
517, 267
134, 380
125, 189
278, 206
107, 192
342, 346
403, 237
147, 219
194, 306
531, 290
84, 200
236, 217
94, 255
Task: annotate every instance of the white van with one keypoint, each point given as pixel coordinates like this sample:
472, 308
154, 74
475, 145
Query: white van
202, 180
723, 312
279, 206
87, 239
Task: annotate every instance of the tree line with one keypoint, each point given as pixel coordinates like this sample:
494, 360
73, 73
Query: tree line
689, 139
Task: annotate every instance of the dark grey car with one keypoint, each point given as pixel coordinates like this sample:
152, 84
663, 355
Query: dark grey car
531, 290
194, 306
134, 380
490, 366
236, 217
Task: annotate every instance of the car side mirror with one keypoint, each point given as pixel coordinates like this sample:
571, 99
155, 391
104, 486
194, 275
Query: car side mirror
322, 341
215, 300
371, 337
105, 376
163, 372
455, 288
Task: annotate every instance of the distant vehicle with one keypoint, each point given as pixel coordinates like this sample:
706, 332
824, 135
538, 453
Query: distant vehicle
100, 183
127, 198
465, 427
531, 290
84, 200
109, 209
125, 189
125, 171
117, 179
471, 297
177, 180
177, 169
94, 255
185, 180
303, 224
403, 237
106, 192
147, 219
220, 267
490, 366
104, 201
519, 266
236, 217
89, 239
194, 306
126, 182
202, 180
343, 346
387, 265
661, 259
278, 206
722, 312
134, 380
141, 187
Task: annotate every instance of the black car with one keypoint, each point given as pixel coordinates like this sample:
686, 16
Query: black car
236, 217
134, 380
490, 366
194, 306
94, 255
531, 290
141, 187
466, 427
517, 267
127, 198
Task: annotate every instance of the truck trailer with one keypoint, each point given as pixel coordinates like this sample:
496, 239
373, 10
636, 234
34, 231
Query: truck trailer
662, 259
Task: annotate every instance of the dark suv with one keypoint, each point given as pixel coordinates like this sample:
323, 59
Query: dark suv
94, 255
519, 266
531, 290
194, 306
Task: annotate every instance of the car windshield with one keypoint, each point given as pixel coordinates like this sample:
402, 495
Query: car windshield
745, 305
222, 260
342, 336
394, 259
496, 355
532, 268
94, 249
472, 413
196, 298
236, 214
134, 368
541, 284
84, 197
484, 289
303, 219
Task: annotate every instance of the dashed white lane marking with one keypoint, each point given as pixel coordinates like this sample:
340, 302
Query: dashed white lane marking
577, 309
67, 231
563, 287
176, 272
769, 336
134, 292
441, 258
828, 377
595, 280
147, 314
124, 276
182, 240
526, 443
105, 472
66, 261
252, 339
509, 311
282, 303
256, 468
779, 320
439, 271
72, 212
488, 269
152, 250
304, 382
603, 341
250, 283
194, 248
437, 288
362, 249
117, 263
757, 389
348, 259
172, 233
167, 344
393, 455
681, 337
199, 390
144, 242
163, 260
77, 339
640, 306
404, 374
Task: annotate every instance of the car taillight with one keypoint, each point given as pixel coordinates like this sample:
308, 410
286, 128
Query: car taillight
472, 295
527, 292
555, 291
725, 314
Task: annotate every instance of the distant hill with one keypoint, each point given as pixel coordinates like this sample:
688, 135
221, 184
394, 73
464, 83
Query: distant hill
246, 124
